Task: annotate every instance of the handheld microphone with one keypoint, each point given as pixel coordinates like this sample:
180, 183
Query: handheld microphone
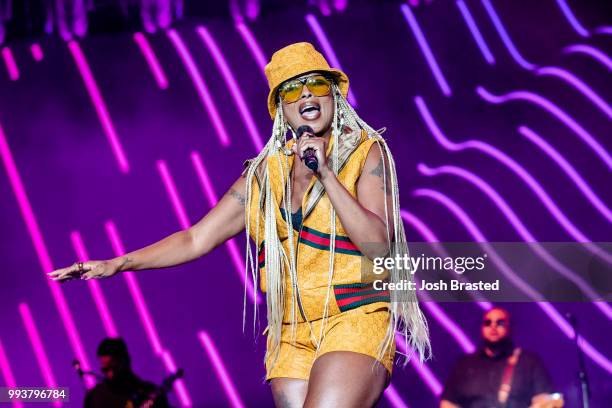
310, 159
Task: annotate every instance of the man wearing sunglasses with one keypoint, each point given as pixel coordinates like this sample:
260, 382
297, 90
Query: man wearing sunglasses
498, 374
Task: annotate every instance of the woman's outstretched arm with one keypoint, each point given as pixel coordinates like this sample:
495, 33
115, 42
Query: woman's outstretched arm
221, 223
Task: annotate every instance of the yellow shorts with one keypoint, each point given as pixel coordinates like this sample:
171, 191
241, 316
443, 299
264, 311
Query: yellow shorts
359, 330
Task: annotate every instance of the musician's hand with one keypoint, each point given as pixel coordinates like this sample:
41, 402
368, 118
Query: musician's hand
91, 270
547, 401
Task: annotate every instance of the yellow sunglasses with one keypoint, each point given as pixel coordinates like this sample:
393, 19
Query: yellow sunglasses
291, 90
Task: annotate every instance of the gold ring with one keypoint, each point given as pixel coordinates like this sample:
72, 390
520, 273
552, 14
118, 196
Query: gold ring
80, 268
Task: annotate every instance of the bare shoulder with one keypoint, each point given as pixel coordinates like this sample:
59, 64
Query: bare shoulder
373, 165
260, 168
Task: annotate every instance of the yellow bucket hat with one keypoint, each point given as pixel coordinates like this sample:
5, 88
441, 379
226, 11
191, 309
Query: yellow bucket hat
295, 60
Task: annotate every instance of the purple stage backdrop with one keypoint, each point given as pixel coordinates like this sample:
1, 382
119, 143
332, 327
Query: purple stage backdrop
496, 111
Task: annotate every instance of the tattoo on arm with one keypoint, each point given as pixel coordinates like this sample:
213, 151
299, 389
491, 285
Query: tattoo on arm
237, 196
283, 401
125, 262
378, 172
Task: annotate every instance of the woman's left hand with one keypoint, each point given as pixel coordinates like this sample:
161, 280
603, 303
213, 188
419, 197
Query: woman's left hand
319, 144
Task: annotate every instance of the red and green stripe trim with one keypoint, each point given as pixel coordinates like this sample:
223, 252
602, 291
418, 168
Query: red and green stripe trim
321, 240
353, 295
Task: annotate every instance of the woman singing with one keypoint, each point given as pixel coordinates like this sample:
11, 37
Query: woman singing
330, 335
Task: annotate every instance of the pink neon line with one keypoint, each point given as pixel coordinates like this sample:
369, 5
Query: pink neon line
220, 370
200, 86
519, 227
517, 169
252, 8
172, 191
94, 287
571, 19
579, 85
7, 374
394, 398
438, 313
592, 52
604, 30
232, 84
254, 47
554, 110
569, 170
152, 61
548, 309
449, 324
340, 5
39, 349
324, 7
41, 251
135, 291
11, 65
430, 237
422, 370
426, 50
179, 385
99, 105
473, 27
37, 52
501, 30
211, 196
145, 315
327, 49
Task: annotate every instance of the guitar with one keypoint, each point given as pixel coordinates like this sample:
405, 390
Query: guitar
147, 401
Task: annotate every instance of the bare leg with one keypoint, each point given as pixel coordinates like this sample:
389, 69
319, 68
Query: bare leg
289, 392
345, 379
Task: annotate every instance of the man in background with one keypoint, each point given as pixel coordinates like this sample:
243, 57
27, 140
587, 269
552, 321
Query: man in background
498, 374
121, 388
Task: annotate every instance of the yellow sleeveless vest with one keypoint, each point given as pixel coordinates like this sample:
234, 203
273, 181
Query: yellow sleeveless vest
312, 241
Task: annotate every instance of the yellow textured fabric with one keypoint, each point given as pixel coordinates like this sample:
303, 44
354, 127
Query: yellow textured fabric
359, 330
313, 263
